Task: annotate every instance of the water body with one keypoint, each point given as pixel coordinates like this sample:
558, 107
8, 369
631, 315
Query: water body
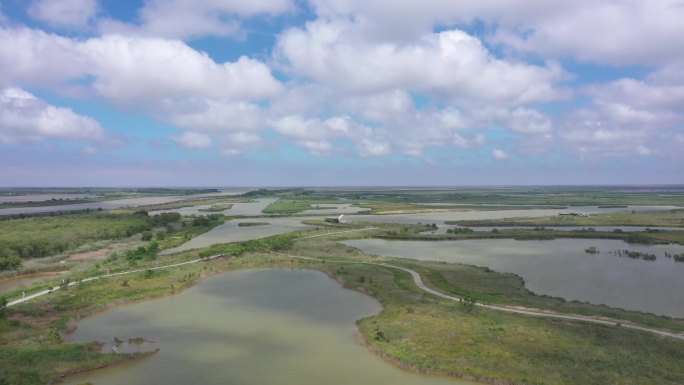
232, 232
442, 229
246, 209
113, 204
332, 209
248, 327
40, 197
562, 268
13, 283
442, 216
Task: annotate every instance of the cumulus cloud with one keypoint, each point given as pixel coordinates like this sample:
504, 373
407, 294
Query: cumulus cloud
135, 70
193, 140
451, 64
626, 116
609, 32
216, 116
64, 13
26, 118
499, 154
318, 136
184, 19
604, 31
130, 71
33, 57
529, 121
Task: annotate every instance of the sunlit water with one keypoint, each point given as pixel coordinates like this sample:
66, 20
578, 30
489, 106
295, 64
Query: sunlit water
256, 327
232, 232
238, 209
440, 217
562, 268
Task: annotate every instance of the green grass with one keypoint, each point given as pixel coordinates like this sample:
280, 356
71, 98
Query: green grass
480, 283
217, 207
669, 218
415, 330
42, 236
420, 332
250, 224
285, 206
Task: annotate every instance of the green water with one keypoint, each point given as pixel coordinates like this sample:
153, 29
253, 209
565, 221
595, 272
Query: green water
260, 327
562, 268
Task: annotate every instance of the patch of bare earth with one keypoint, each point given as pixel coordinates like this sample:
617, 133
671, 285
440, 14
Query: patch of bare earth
90, 256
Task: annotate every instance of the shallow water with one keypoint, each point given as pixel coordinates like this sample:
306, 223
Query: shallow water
239, 209
113, 204
232, 232
105, 205
10, 284
442, 229
562, 268
440, 217
332, 209
40, 197
258, 327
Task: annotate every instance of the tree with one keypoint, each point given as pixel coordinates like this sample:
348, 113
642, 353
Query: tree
3, 307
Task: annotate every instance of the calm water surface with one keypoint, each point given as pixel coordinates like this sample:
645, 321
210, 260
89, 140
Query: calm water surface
113, 204
239, 209
440, 217
232, 232
256, 327
562, 268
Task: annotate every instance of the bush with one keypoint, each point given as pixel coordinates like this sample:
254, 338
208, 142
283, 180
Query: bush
9, 262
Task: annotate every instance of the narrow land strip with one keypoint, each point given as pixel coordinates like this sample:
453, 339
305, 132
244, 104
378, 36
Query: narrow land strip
417, 280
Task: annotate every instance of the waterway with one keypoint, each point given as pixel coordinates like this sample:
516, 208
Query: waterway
562, 268
231, 231
462, 215
260, 327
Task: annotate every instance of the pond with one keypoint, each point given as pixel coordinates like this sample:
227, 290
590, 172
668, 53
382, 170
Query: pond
246, 209
231, 231
456, 215
270, 326
24, 281
562, 268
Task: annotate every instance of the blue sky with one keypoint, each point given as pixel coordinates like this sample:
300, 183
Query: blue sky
340, 92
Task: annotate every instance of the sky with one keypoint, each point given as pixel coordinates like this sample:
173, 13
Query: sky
341, 92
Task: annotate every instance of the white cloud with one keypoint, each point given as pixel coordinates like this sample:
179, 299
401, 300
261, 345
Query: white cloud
528, 121
626, 116
193, 140
214, 116
130, 71
609, 32
604, 31
64, 13
26, 118
184, 19
499, 154
317, 136
149, 71
450, 64
33, 57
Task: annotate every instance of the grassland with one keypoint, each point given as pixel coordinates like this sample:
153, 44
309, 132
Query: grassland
669, 218
287, 207
547, 196
42, 236
415, 330
218, 207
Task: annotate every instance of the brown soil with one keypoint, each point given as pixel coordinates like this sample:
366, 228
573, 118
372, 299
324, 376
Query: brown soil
96, 255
